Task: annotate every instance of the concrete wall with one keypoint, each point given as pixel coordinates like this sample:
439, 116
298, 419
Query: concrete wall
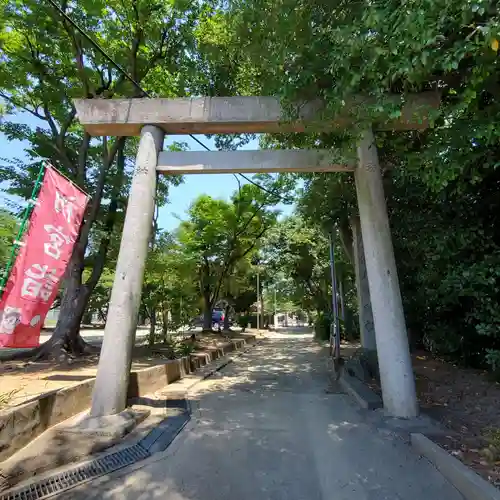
23, 423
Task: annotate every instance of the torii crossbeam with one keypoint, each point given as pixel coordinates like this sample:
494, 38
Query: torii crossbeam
153, 118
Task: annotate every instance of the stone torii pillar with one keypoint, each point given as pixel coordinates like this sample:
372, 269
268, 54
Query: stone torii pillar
250, 114
366, 325
396, 372
110, 390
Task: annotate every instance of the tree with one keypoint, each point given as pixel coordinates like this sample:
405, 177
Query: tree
218, 234
169, 287
296, 252
300, 251
239, 290
45, 64
8, 232
440, 182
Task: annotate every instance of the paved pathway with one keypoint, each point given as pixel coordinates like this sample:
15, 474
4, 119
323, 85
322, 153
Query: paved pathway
266, 429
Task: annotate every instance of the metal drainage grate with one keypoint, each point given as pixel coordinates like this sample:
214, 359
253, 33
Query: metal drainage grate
178, 415
64, 480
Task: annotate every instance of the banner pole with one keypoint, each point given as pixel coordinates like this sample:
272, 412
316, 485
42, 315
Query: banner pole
68, 179
24, 222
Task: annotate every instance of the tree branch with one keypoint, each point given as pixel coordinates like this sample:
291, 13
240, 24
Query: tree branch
78, 53
101, 181
16, 103
82, 159
99, 262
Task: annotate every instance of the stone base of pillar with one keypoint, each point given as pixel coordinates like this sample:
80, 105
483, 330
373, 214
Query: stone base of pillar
68, 443
109, 426
363, 365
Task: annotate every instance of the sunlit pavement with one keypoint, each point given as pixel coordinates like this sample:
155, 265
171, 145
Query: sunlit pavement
265, 428
93, 336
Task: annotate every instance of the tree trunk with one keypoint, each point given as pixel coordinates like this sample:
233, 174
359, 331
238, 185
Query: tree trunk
152, 327
346, 240
102, 315
207, 313
87, 318
342, 298
226, 319
262, 319
76, 294
164, 322
73, 304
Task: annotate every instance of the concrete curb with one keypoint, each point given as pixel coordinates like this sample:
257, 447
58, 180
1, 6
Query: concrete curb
226, 361
80, 492
467, 482
209, 370
360, 392
20, 425
27, 459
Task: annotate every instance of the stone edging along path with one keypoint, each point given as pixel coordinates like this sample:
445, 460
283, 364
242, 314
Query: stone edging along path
470, 484
21, 424
58, 461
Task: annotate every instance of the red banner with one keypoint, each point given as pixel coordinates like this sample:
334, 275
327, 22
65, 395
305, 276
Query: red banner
41, 261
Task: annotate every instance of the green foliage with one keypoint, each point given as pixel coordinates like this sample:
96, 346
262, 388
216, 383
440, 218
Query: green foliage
298, 264
45, 63
243, 320
220, 237
442, 184
8, 232
492, 452
184, 349
322, 326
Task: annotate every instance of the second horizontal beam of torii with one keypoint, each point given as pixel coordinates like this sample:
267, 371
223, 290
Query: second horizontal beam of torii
249, 162
236, 115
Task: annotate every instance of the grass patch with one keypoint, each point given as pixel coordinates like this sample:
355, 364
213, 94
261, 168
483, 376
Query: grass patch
6, 398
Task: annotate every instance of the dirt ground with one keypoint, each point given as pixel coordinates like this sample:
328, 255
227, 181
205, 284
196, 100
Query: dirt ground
24, 380
467, 403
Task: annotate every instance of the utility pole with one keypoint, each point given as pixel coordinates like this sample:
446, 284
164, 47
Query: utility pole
342, 299
258, 295
262, 308
181, 317
336, 325
275, 310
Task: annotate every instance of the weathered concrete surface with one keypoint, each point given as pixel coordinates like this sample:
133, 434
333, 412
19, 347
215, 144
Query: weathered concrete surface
265, 428
156, 377
366, 326
471, 485
21, 424
359, 391
110, 390
259, 161
227, 115
70, 441
396, 372
109, 426
78, 437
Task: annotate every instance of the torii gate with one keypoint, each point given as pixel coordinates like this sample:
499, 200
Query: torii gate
152, 119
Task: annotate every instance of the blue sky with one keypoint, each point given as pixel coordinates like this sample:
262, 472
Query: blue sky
180, 198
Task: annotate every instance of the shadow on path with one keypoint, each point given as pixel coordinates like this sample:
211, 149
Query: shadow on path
265, 427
